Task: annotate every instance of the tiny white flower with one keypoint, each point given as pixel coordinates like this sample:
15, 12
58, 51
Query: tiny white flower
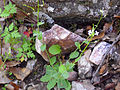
101, 11
96, 33
89, 32
50, 9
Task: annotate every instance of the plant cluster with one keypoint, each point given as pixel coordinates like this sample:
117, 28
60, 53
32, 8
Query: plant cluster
56, 72
12, 36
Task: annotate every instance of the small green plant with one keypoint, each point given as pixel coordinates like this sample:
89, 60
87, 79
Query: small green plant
9, 9
58, 72
13, 37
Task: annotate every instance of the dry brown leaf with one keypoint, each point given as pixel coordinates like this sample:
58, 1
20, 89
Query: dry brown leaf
108, 27
1, 63
16, 87
20, 73
102, 70
101, 35
20, 15
118, 86
12, 63
110, 86
89, 27
116, 16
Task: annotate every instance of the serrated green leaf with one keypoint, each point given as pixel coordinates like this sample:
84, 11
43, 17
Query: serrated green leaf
19, 54
52, 60
6, 38
51, 84
69, 66
40, 23
9, 9
68, 85
45, 78
15, 34
4, 34
55, 49
11, 27
30, 54
40, 35
74, 54
77, 44
43, 47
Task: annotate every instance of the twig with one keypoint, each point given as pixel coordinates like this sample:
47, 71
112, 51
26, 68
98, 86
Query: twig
24, 12
116, 40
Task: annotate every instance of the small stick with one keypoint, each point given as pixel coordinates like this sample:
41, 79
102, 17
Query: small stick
116, 40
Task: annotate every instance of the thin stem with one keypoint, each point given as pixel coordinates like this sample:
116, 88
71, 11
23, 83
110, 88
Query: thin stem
38, 9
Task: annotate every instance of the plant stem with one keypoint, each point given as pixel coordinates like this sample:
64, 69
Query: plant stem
38, 10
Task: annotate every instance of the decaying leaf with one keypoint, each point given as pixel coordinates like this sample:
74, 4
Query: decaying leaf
12, 63
100, 36
20, 73
102, 70
108, 27
116, 16
118, 86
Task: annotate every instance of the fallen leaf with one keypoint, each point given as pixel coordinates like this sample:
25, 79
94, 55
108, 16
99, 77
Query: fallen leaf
116, 16
1, 64
118, 86
12, 63
20, 15
102, 70
20, 73
16, 87
108, 27
100, 36
110, 86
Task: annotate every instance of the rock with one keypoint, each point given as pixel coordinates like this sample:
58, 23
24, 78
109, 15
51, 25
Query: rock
84, 65
3, 78
98, 52
77, 10
116, 56
58, 35
72, 76
85, 85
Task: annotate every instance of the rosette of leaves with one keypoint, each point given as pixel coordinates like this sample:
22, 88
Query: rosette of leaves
57, 73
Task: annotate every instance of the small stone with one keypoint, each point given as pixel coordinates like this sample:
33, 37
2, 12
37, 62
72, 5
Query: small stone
84, 65
50, 9
72, 76
85, 85
98, 52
